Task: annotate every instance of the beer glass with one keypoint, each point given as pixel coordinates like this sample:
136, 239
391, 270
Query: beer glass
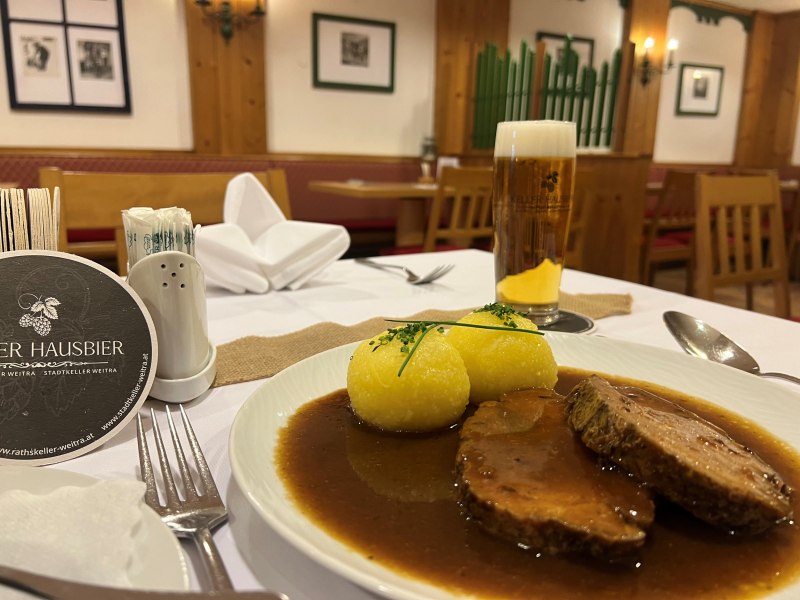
534, 172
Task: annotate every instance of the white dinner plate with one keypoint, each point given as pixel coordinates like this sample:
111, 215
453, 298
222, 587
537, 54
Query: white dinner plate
255, 433
160, 564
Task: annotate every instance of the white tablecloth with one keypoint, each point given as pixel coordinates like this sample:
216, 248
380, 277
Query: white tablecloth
348, 293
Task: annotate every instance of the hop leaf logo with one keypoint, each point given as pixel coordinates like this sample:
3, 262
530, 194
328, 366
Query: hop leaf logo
40, 314
551, 181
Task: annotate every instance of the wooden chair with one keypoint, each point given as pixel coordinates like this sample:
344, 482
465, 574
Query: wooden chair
791, 218
94, 201
669, 236
736, 216
576, 233
793, 244
461, 213
610, 195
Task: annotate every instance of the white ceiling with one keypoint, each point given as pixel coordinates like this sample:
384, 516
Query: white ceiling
776, 6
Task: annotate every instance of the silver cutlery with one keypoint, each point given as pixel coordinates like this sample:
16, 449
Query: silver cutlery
411, 277
197, 513
51, 588
700, 339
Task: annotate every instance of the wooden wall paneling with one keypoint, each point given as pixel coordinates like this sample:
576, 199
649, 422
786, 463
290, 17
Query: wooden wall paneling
768, 116
244, 93
626, 82
462, 27
449, 100
201, 39
227, 83
643, 19
754, 128
786, 66
535, 99
611, 193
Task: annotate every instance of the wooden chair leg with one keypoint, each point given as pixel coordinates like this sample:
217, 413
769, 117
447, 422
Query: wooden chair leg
702, 287
690, 277
783, 302
749, 295
122, 251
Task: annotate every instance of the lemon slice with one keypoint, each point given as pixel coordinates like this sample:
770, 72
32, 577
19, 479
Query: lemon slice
534, 286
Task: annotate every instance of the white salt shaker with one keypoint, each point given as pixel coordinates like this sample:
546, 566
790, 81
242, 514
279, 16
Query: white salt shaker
172, 286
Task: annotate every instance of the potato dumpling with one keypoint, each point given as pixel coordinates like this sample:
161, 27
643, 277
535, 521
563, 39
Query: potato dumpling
431, 393
502, 361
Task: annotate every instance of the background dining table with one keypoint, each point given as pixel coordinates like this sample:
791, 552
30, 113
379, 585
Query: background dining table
410, 225
348, 293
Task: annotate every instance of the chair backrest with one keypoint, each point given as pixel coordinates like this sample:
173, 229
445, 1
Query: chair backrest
461, 211
609, 202
95, 200
577, 229
675, 207
739, 235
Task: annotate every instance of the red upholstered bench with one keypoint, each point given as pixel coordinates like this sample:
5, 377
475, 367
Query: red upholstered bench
75, 236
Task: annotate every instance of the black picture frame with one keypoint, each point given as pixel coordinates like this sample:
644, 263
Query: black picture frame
66, 55
352, 54
554, 43
699, 90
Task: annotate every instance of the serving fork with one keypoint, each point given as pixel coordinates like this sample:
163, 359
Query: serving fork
411, 277
196, 514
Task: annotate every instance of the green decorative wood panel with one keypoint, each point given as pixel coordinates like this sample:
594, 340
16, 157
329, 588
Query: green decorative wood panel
569, 91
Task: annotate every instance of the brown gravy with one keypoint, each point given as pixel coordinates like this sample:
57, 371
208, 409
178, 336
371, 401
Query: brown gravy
391, 497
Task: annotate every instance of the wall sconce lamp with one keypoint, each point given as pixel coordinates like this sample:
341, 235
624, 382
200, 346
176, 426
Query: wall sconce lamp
648, 70
228, 18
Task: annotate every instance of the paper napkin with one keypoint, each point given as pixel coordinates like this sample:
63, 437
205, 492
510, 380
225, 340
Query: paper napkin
79, 533
257, 249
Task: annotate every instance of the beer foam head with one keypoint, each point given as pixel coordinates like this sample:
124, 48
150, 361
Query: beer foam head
517, 139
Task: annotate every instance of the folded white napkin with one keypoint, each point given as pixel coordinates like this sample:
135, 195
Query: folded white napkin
257, 248
79, 533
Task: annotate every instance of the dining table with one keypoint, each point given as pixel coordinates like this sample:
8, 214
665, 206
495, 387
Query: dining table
412, 196
347, 293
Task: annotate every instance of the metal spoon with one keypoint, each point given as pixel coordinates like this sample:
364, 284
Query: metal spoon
700, 339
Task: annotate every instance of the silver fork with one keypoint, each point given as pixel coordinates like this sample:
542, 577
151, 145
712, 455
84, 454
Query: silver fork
411, 277
196, 514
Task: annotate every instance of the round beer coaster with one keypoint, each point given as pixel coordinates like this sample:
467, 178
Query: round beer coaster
78, 355
570, 322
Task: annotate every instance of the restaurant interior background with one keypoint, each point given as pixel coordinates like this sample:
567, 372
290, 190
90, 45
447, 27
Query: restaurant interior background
200, 103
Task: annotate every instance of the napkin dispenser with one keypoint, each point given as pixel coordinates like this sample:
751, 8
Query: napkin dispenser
172, 286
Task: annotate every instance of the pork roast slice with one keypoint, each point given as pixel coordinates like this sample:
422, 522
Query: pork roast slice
680, 455
524, 476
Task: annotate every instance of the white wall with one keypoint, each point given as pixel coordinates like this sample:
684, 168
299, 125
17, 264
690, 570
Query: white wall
306, 119
599, 20
159, 85
302, 118
702, 139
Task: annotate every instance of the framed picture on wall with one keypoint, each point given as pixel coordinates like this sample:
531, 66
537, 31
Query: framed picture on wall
699, 90
554, 44
66, 56
352, 54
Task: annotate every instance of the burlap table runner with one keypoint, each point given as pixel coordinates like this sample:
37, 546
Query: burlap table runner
256, 357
